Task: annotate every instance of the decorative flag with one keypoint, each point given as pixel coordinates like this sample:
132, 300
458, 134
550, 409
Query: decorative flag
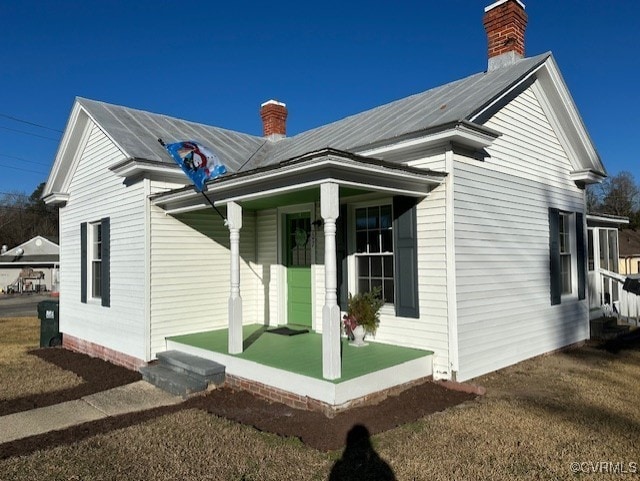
198, 162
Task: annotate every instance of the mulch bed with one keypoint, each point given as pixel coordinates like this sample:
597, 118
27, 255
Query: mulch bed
312, 428
98, 375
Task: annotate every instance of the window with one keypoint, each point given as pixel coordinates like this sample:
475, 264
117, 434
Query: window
567, 249
95, 254
96, 260
565, 253
382, 251
612, 237
591, 259
374, 250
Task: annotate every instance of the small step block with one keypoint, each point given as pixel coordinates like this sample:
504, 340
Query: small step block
177, 383
193, 365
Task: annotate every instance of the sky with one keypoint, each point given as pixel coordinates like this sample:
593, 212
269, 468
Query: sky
215, 62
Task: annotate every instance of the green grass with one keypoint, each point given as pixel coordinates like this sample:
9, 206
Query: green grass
302, 354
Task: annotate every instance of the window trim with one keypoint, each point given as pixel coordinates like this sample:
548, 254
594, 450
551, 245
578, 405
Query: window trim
87, 279
405, 253
382, 254
352, 256
95, 229
572, 254
575, 221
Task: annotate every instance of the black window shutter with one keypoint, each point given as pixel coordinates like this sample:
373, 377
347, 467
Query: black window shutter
83, 262
106, 260
580, 257
554, 256
341, 256
405, 246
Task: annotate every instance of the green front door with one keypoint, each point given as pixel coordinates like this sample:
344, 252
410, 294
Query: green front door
298, 249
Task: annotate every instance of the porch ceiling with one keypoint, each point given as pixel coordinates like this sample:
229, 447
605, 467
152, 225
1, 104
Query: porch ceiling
298, 180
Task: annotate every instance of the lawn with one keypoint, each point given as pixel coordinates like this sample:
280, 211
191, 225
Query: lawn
22, 374
537, 418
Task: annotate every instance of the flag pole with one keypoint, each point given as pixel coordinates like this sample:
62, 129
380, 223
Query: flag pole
205, 195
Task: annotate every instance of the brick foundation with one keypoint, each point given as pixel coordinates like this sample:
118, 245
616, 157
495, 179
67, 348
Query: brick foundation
101, 352
304, 402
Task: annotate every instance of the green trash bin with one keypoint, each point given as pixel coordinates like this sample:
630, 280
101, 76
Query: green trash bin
50, 334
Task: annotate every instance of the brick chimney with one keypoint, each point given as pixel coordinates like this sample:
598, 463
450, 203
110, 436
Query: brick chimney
274, 119
505, 22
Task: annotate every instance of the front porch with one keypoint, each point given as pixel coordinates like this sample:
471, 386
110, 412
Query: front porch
293, 364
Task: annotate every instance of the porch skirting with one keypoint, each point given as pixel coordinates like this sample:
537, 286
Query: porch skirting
96, 350
298, 401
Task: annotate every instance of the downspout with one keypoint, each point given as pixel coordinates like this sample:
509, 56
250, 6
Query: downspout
147, 270
450, 250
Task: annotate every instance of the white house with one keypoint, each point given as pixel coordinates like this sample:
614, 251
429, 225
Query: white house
465, 203
30, 267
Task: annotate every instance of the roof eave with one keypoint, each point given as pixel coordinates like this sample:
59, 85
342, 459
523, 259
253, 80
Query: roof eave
463, 133
306, 171
607, 219
56, 198
587, 176
133, 169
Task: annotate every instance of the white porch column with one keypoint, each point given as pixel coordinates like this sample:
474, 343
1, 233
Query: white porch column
330, 210
234, 223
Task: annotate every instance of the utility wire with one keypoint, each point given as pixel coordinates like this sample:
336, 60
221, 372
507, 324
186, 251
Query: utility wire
28, 133
48, 164
24, 170
16, 119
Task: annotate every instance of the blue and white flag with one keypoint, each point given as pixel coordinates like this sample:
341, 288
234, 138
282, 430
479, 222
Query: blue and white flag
198, 162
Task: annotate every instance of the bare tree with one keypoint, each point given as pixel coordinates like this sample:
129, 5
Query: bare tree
619, 195
593, 198
23, 217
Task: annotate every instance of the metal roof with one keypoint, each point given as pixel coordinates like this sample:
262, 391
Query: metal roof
136, 132
33, 259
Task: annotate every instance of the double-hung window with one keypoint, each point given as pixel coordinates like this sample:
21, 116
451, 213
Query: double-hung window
374, 250
567, 249
565, 252
96, 260
382, 251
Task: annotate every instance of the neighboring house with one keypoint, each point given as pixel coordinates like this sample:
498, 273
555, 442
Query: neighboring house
465, 203
630, 252
30, 267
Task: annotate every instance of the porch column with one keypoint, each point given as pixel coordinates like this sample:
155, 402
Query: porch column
330, 210
234, 223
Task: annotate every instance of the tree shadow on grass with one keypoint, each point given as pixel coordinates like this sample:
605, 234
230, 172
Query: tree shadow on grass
599, 352
97, 375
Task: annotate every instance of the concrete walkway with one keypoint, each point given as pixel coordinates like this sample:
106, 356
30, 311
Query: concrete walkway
138, 396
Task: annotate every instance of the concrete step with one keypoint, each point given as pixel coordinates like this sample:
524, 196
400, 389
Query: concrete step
194, 366
178, 383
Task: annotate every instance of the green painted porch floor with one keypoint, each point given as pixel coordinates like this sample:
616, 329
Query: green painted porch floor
302, 354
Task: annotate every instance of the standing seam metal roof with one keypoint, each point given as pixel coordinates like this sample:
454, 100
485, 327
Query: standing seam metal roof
137, 131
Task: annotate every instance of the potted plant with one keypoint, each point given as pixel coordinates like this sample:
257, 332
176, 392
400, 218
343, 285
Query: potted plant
363, 315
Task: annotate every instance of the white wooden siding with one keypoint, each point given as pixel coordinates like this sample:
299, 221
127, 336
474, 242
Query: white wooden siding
190, 273
95, 192
430, 330
502, 244
267, 259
